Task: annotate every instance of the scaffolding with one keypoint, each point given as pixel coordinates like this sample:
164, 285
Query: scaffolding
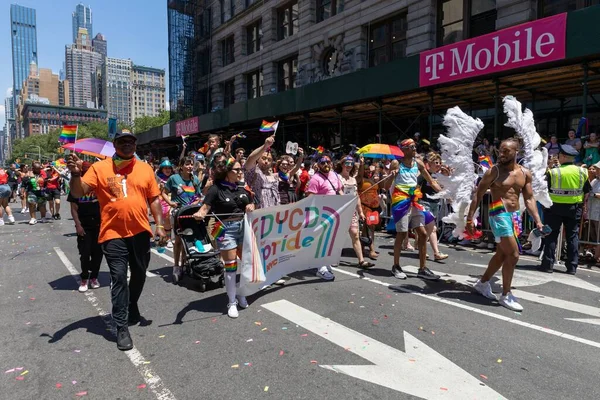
182, 16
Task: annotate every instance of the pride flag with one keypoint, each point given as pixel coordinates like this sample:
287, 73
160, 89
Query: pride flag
269, 126
68, 134
403, 199
60, 163
218, 231
485, 162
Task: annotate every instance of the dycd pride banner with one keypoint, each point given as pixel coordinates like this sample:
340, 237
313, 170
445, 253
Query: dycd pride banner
294, 237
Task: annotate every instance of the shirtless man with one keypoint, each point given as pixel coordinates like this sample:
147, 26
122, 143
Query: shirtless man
506, 180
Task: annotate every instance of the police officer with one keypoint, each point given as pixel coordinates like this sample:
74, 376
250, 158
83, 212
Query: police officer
566, 185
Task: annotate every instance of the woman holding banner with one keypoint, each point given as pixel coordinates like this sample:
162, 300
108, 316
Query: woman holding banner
228, 202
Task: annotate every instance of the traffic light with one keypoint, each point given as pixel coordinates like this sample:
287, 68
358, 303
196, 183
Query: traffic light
26, 156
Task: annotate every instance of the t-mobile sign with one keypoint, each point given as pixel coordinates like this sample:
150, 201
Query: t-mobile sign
533, 43
187, 127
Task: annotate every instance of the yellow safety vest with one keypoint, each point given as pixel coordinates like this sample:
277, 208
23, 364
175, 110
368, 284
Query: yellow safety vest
567, 184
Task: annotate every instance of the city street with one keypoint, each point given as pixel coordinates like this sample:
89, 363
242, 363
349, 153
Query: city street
366, 335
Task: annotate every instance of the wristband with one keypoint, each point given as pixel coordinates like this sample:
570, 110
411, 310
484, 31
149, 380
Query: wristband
160, 226
469, 220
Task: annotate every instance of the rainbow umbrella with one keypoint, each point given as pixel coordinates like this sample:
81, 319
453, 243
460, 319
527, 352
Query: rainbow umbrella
92, 147
380, 150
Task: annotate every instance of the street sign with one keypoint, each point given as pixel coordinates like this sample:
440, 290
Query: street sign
419, 370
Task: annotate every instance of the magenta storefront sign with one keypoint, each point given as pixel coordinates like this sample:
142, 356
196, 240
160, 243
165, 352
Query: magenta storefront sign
523, 45
187, 127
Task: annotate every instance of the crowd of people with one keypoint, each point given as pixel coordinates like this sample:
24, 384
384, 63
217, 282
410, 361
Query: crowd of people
110, 202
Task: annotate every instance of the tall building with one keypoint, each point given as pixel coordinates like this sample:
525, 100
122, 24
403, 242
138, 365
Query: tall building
116, 88
99, 44
2, 146
40, 118
24, 44
82, 18
9, 125
81, 62
148, 91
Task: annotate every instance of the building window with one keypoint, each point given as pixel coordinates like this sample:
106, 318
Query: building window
204, 62
328, 8
227, 10
227, 49
254, 84
454, 27
547, 8
387, 40
228, 93
286, 74
253, 36
287, 21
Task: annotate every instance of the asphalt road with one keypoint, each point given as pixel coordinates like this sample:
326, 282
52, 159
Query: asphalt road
56, 343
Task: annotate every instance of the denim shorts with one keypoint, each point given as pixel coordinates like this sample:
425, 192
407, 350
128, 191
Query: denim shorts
5, 191
233, 236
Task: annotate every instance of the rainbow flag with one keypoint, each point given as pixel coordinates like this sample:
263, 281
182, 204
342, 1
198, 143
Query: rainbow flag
68, 134
402, 201
320, 149
269, 126
497, 207
60, 163
485, 162
218, 231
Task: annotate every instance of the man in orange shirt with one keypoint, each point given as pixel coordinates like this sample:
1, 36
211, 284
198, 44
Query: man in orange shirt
124, 187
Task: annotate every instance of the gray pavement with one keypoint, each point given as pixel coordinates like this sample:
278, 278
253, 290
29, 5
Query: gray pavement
56, 343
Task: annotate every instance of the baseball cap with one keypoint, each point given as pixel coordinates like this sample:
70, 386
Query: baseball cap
124, 133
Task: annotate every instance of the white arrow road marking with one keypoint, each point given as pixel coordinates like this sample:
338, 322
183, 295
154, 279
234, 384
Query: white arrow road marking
419, 371
474, 309
152, 379
593, 321
534, 278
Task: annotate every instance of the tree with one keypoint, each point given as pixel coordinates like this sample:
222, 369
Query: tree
145, 123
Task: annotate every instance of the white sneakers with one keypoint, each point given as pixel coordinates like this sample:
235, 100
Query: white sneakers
33, 221
232, 310
11, 220
509, 301
485, 289
242, 302
83, 286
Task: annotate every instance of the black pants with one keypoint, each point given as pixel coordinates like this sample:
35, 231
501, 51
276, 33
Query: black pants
555, 217
134, 251
90, 252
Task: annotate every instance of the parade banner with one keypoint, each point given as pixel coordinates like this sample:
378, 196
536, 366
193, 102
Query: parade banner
294, 237
532, 43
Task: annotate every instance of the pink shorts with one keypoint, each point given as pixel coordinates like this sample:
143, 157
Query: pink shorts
165, 208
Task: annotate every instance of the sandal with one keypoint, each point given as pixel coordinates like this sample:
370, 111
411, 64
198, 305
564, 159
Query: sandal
373, 256
440, 256
365, 264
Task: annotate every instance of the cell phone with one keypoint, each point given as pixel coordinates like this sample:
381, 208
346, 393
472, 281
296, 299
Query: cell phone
546, 230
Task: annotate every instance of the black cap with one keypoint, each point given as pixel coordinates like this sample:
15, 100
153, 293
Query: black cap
124, 133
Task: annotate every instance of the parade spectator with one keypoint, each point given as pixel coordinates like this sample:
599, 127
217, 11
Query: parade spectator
287, 175
260, 176
86, 215
22, 190
592, 155
164, 172
574, 141
325, 182
346, 170
553, 147
53, 184
370, 202
229, 201
593, 209
5, 195
34, 183
433, 163
124, 188
303, 179
180, 190
484, 149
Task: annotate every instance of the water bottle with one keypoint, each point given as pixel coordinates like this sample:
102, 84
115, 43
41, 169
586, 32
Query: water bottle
160, 246
199, 246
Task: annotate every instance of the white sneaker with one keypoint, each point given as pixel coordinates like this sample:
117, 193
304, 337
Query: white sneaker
24, 210
242, 302
485, 289
33, 221
11, 220
169, 245
1, 221
83, 286
509, 301
232, 310
94, 284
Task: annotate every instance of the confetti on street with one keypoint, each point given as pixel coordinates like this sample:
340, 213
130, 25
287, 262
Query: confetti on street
142, 386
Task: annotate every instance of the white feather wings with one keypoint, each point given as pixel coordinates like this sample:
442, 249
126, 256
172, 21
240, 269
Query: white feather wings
534, 159
457, 148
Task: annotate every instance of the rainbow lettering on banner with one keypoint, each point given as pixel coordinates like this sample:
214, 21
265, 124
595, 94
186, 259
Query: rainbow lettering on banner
485, 162
269, 126
218, 231
68, 134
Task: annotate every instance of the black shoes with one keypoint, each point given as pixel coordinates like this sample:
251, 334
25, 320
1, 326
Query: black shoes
426, 273
546, 270
124, 341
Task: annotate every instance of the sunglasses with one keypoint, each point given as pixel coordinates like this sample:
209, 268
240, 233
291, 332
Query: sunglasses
237, 170
349, 163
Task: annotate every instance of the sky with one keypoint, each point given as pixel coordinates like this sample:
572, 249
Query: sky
134, 29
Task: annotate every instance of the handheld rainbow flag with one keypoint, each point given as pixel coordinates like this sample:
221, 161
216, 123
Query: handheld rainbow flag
68, 134
485, 162
60, 163
269, 126
218, 231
